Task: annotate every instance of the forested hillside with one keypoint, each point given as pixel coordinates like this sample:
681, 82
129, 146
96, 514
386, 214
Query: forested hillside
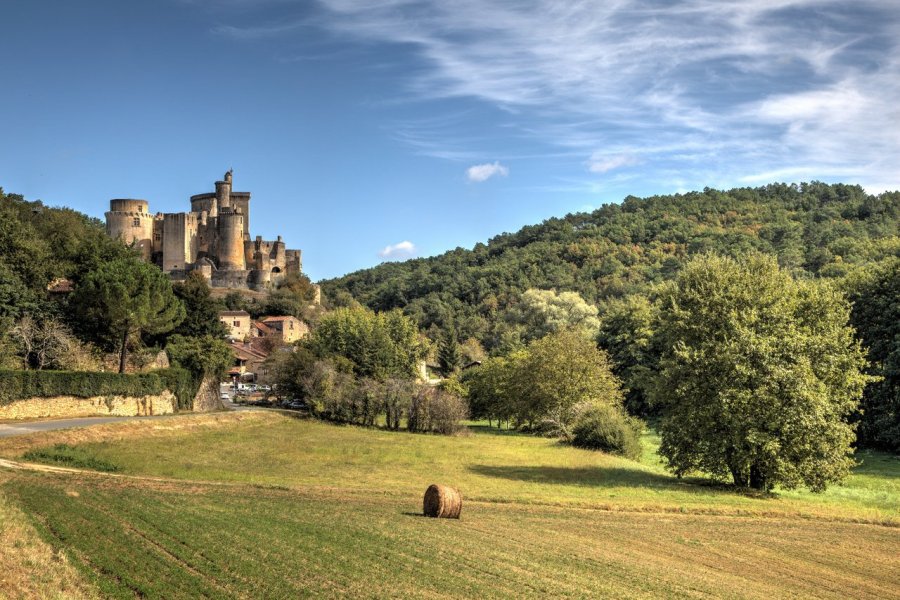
815, 229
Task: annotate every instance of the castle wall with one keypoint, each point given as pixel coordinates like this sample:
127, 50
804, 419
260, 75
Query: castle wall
201, 202
179, 241
293, 260
231, 279
130, 220
157, 235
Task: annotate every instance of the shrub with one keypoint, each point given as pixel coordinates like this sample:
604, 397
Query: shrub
436, 411
608, 428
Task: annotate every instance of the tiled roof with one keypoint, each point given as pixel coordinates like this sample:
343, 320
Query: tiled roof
278, 319
263, 328
246, 352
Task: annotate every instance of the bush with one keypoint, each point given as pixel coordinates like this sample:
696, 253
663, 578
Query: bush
610, 429
436, 411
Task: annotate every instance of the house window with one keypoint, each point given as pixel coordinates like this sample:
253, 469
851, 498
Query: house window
292, 324
156, 237
236, 323
137, 221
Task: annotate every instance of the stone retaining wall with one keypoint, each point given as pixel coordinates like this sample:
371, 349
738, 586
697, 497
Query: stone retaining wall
71, 406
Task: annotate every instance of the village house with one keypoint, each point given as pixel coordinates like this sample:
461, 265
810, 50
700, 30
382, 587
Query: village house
249, 363
238, 323
286, 329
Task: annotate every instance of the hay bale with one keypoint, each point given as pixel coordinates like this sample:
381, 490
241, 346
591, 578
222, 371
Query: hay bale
442, 502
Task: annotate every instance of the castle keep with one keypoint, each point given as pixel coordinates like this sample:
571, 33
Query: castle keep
214, 239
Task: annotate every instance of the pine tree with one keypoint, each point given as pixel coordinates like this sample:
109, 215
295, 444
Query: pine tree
449, 356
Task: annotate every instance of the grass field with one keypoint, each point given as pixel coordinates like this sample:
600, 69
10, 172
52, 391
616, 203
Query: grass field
260, 505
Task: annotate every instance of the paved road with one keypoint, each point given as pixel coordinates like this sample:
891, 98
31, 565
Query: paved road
10, 429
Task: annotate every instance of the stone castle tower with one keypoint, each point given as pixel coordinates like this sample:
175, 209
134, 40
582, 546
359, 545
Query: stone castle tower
213, 238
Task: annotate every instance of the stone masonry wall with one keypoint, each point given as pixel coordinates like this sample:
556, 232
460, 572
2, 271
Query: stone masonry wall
71, 406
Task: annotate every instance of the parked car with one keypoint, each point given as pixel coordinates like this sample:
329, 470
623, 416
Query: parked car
224, 396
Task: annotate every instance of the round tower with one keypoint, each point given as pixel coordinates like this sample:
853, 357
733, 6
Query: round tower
223, 191
231, 241
130, 220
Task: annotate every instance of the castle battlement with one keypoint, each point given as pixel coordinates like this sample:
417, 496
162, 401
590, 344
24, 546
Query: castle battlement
213, 238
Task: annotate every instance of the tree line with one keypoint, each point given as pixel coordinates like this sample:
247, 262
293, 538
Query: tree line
619, 260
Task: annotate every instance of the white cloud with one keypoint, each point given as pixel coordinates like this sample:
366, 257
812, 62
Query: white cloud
398, 251
601, 163
479, 173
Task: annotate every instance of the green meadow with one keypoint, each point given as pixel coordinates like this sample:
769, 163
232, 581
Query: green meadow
266, 505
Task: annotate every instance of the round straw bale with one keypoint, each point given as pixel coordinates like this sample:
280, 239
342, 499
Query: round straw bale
442, 501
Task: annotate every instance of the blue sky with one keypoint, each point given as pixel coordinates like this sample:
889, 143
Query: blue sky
369, 130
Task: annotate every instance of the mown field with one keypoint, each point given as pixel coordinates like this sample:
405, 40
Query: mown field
260, 505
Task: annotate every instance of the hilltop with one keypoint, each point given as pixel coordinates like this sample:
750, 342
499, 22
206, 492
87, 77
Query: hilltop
815, 229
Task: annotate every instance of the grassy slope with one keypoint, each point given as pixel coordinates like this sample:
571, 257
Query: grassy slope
314, 507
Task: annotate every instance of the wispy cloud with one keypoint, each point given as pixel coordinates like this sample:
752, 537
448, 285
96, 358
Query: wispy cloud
398, 251
479, 173
731, 87
601, 163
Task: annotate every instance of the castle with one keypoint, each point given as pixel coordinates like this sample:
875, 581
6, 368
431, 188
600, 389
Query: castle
214, 239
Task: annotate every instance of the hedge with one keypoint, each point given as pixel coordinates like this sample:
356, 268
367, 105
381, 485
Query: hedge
20, 385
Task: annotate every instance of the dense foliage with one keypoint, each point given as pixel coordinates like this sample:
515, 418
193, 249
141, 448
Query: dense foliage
622, 249
376, 345
876, 315
201, 356
547, 385
19, 385
758, 375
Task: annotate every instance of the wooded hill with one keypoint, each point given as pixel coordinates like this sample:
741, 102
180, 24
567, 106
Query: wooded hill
814, 229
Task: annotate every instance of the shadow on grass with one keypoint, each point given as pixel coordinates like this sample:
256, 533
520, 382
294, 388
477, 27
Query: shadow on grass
484, 429
608, 477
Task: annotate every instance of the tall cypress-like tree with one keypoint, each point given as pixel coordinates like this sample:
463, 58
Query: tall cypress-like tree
449, 356
124, 298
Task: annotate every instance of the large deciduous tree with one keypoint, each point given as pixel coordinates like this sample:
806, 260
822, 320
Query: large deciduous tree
561, 374
124, 298
758, 375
